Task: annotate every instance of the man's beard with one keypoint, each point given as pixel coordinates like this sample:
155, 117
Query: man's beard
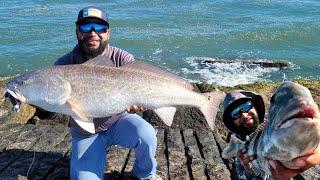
89, 52
243, 131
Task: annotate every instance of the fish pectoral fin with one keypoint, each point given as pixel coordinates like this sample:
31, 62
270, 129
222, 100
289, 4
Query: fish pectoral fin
166, 114
86, 125
81, 119
77, 112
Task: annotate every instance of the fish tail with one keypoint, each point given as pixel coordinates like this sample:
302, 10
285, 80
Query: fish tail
211, 108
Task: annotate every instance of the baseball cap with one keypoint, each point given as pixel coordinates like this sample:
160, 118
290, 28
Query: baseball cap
92, 14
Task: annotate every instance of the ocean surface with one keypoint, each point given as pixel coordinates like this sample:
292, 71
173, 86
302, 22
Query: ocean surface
176, 35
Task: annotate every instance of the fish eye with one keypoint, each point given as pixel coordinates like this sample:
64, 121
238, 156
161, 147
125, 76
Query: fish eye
20, 82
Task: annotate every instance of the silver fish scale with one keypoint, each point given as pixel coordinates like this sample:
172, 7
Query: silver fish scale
113, 89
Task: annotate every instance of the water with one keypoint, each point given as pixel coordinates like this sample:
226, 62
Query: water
177, 36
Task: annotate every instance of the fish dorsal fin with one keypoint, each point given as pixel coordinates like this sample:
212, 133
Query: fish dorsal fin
152, 70
166, 114
100, 61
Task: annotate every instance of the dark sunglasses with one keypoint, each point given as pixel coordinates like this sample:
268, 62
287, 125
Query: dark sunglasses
85, 28
243, 108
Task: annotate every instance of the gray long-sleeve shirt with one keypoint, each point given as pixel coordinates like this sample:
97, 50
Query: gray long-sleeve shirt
119, 57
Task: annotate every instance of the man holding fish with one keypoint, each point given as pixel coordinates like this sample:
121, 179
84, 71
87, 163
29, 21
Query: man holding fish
96, 84
88, 157
243, 114
96, 93
128, 130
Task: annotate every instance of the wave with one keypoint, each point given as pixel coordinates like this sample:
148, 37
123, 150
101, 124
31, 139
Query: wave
229, 73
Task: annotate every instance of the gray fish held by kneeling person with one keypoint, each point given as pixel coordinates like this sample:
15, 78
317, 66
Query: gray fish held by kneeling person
98, 89
292, 130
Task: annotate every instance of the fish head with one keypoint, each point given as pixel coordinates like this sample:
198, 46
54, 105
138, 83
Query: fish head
39, 88
21, 86
293, 128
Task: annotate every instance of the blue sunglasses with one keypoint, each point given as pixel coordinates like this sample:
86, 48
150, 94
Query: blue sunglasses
85, 28
243, 108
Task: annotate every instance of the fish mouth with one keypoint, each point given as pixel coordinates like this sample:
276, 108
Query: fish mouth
12, 93
305, 113
18, 96
14, 99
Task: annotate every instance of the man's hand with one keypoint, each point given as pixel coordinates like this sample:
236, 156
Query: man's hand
136, 109
246, 160
279, 171
302, 163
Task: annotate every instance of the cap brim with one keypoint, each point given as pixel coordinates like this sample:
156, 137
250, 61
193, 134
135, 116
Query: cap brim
92, 20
